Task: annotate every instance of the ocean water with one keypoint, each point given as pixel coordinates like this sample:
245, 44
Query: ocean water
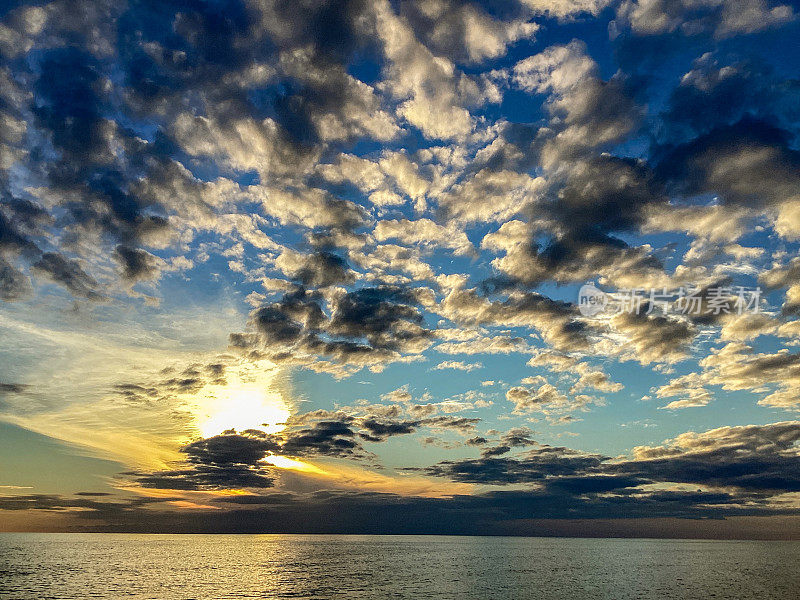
171, 567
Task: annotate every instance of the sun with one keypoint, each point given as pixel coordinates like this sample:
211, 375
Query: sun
284, 462
241, 405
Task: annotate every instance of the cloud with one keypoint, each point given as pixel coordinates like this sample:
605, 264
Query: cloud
491, 194
69, 273
368, 326
513, 438
377, 431
424, 232
228, 448
736, 366
203, 478
111, 119
589, 112
558, 362
458, 366
751, 463
319, 269
331, 438
749, 164
13, 284
689, 388
655, 338
555, 320
463, 32
564, 9
723, 18
234, 460
750, 458
601, 196
785, 276
743, 470
138, 264
52, 502
588, 198
433, 95
12, 388
534, 466
225, 461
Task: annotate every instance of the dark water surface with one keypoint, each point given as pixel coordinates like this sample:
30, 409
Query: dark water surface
171, 567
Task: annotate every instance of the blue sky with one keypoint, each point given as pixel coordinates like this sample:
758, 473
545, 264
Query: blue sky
284, 255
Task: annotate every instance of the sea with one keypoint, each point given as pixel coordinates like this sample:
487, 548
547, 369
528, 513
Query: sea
171, 567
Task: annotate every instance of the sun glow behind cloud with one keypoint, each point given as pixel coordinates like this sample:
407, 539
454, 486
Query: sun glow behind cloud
241, 405
284, 462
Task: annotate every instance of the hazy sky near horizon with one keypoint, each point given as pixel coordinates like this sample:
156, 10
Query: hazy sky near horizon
316, 265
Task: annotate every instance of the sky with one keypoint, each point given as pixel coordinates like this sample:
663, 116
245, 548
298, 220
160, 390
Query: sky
517, 267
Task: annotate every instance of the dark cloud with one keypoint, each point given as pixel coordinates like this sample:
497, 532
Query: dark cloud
463, 31
749, 163
655, 338
367, 325
508, 512
495, 451
274, 498
753, 459
20, 221
535, 465
12, 388
378, 431
216, 370
13, 284
71, 105
338, 437
204, 477
228, 460
128, 129
720, 19
513, 438
137, 264
68, 272
230, 448
96, 508
162, 389
385, 316
236, 459
595, 484
327, 438
576, 235
219, 48
730, 471
712, 95
476, 441
322, 269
